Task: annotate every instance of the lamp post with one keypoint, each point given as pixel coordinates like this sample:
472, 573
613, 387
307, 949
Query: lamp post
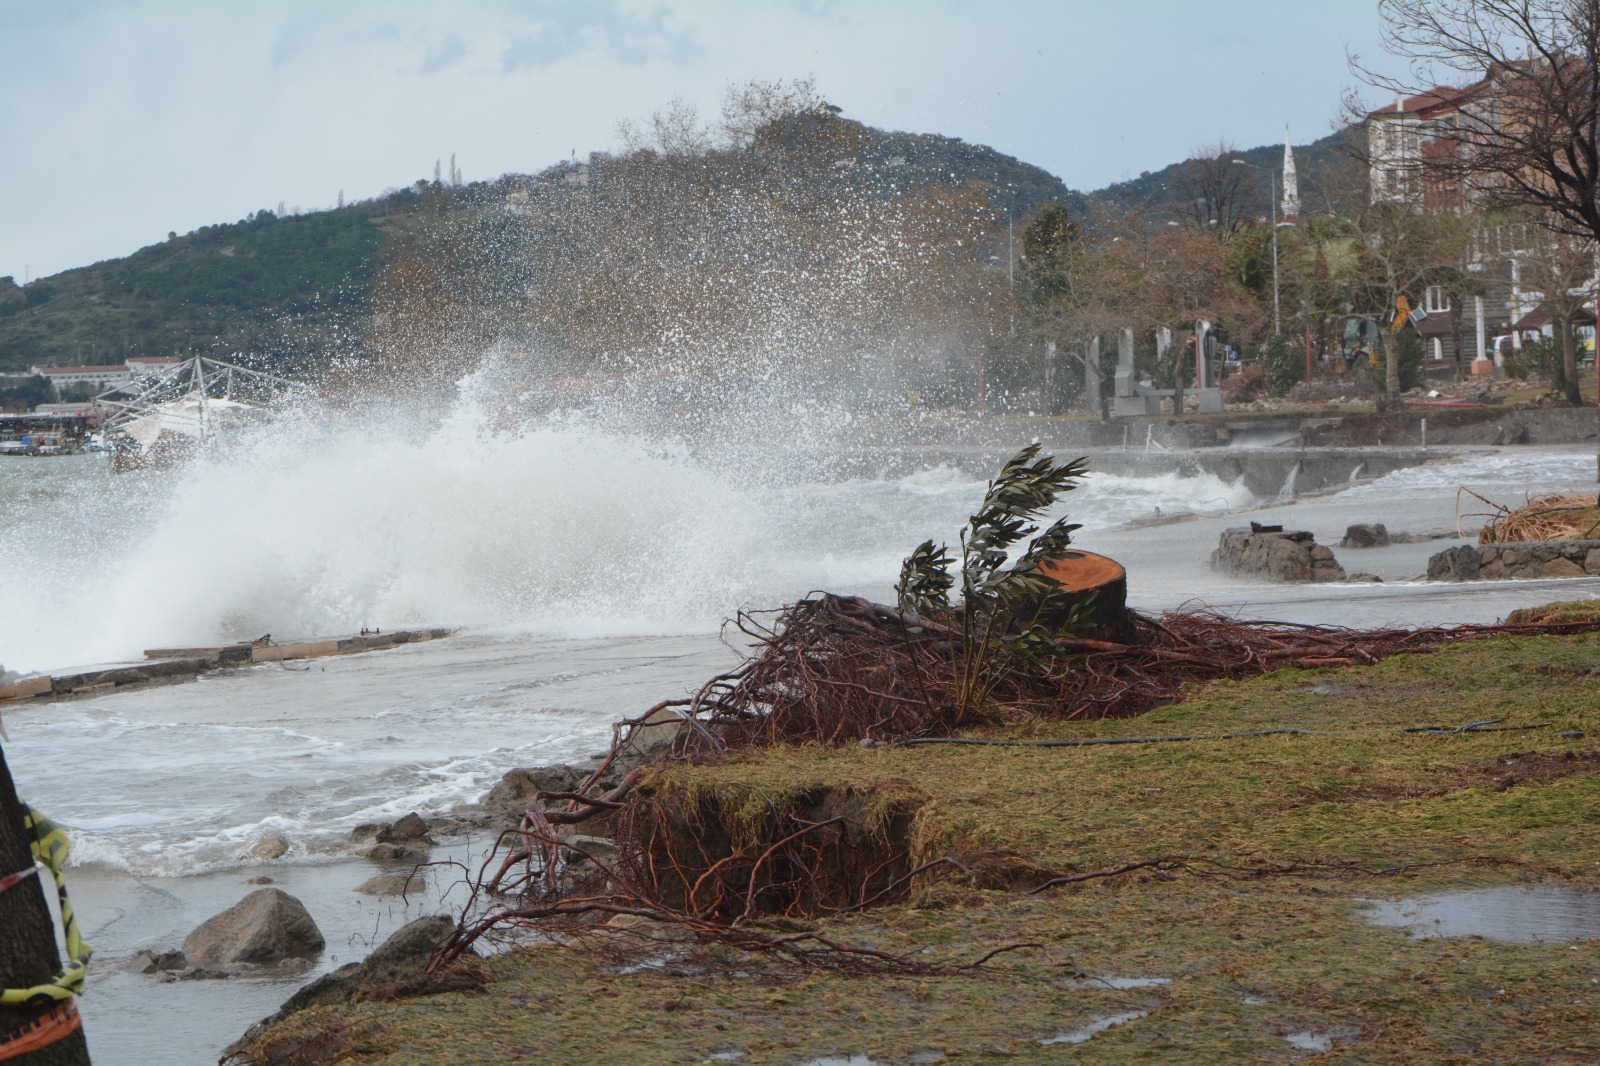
1272, 207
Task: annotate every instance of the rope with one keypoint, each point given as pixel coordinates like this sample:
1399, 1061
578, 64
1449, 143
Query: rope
49, 846
1488, 725
55, 1024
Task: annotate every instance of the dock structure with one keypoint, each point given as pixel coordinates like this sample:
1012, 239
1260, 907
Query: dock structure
169, 665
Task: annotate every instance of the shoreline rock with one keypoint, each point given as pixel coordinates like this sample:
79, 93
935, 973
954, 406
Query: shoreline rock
266, 926
1276, 555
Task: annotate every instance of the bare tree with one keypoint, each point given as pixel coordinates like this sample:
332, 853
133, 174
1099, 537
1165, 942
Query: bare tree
1518, 130
1208, 185
1562, 267
1399, 254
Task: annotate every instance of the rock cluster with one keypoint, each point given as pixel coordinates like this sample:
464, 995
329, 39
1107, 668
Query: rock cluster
1495, 562
1366, 535
405, 840
514, 792
398, 966
1275, 555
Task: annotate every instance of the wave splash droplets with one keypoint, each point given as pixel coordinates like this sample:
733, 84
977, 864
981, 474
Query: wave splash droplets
575, 524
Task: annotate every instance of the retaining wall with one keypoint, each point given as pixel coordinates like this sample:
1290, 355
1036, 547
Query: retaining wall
1495, 562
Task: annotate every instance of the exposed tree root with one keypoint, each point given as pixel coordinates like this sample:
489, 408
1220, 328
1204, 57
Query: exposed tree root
837, 670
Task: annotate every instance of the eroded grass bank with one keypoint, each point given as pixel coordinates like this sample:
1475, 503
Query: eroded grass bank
1271, 845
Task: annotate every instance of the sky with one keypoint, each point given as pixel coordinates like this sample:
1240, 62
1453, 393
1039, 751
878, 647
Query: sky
122, 120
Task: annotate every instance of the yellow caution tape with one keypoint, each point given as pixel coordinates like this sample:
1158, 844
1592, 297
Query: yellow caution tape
49, 846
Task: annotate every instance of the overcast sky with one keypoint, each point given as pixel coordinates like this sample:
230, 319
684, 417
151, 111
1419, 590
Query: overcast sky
123, 119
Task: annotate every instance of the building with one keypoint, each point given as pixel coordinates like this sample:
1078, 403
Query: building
1414, 154
101, 378
1401, 137
98, 378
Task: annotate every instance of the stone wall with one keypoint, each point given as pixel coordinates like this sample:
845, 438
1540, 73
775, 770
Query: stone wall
1275, 555
1493, 562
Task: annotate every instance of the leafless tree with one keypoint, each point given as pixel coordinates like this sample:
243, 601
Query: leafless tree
1400, 253
1208, 186
1520, 129
1562, 267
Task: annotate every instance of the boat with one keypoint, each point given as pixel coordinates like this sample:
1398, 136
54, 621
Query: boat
177, 411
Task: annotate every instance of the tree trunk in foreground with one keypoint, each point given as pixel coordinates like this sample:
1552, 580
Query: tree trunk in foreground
1088, 574
27, 936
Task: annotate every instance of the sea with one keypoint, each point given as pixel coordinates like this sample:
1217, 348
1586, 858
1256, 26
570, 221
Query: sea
588, 565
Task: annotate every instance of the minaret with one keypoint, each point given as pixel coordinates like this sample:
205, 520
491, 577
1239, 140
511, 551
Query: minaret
1289, 209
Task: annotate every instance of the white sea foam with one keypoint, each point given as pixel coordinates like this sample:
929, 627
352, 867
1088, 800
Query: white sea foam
566, 526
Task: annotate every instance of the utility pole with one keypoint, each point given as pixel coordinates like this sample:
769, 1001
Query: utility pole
1011, 274
28, 951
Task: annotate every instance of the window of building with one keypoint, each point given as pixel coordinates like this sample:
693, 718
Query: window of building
1435, 301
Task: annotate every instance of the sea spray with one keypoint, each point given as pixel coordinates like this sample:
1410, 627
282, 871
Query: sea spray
582, 520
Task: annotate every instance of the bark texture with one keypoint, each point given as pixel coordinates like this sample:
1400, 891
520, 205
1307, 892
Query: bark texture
28, 953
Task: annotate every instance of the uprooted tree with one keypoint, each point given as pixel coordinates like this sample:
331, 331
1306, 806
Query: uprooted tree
739, 866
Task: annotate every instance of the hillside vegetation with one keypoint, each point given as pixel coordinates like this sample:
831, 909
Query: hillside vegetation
292, 291
268, 285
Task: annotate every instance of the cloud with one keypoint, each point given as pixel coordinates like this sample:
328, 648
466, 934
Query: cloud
598, 30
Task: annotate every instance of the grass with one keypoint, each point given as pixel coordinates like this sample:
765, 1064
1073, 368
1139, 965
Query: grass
1248, 961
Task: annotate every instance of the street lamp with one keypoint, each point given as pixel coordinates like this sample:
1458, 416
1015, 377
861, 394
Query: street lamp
1272, 205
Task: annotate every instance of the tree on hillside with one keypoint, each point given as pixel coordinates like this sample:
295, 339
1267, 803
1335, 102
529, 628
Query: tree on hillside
1529, 74
1208, 188
705, 257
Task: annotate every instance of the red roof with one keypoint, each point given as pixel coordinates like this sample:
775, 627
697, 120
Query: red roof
1440, 98
118, 369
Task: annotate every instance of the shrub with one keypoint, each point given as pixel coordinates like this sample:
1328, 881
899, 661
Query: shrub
1282, 365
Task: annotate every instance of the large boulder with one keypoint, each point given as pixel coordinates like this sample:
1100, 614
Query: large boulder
654, 738
266, 926
405, 840
1275, 555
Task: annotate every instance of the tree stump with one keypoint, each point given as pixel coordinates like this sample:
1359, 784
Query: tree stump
1089, 575
28, 936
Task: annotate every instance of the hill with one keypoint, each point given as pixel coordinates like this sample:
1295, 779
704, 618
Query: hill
263, 284
1328, 177
293, 290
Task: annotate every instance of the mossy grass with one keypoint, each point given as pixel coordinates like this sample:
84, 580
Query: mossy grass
1250, 960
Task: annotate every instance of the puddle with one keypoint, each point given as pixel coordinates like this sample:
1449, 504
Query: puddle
1309, 1041
1256, 1001
725, 1056
1517, 915
1099, 1025
1120, 982
836, 1060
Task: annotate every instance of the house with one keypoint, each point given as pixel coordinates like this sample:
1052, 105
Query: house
1414, 149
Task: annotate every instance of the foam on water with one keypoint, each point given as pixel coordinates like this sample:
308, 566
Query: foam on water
1504, 476
573, 526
